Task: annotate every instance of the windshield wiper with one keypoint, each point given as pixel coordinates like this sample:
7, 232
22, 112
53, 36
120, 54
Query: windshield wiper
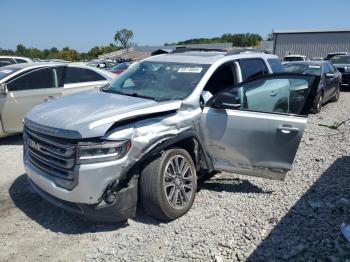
131, 94
141, 96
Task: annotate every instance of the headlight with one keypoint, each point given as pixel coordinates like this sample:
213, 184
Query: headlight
102, 152
347, 69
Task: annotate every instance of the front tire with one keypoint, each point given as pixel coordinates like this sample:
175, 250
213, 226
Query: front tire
317, 103
168, 185
335, 98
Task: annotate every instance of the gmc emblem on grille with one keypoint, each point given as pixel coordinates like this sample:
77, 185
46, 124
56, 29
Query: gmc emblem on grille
34, 145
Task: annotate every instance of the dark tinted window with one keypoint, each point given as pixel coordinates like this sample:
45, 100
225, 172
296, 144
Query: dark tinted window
20, 60
276, 65
77, 75
293, 58
9, 60
252, 68
42, 78
4, 63
221, 79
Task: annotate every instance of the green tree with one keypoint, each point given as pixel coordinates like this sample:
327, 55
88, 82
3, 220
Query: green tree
270, 37
124, 37
21, 50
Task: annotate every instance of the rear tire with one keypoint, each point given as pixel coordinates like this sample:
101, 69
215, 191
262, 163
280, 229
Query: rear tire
168, 185
317, 103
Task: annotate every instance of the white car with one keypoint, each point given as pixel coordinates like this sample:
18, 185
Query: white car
8, 60
25, 85
293, 58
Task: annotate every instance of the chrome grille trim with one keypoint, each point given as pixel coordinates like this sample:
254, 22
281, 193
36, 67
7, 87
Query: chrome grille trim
55, 157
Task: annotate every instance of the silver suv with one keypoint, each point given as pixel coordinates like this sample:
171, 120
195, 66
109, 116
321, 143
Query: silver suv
163, 123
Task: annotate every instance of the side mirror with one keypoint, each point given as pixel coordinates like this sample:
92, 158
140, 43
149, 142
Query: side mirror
329, 75
226, 100
3, 88
102, 65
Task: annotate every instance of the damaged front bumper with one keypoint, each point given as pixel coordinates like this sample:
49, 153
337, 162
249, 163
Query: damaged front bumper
88, 198
122, 208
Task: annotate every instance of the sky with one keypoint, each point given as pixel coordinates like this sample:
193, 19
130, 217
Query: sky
83, 24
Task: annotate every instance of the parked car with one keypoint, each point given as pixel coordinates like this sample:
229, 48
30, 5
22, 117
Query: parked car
23, 86
328, 80
331, 55
317, 58
120, 68
8, 60
103, 64
150, 134
342, 63
293, 58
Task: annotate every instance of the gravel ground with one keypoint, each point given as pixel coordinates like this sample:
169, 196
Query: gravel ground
234, 218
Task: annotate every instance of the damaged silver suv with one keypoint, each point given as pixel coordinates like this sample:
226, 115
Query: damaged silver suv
169, 119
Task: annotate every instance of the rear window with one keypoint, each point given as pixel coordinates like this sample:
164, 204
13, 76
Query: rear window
275, 65
303, 69
18, 60
341, 60
293, 58
4, 72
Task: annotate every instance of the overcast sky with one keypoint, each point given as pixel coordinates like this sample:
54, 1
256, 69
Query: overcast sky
82, 24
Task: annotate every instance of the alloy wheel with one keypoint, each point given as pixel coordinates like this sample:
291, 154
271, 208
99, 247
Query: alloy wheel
178, 182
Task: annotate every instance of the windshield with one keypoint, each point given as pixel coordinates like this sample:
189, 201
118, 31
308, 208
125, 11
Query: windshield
293, 58
160, 81
7, 71
341, 60
303, 69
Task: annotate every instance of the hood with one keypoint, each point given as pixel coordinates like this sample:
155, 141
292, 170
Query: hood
91, 113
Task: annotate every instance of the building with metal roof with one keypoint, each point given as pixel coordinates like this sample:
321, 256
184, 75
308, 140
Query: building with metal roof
311, 42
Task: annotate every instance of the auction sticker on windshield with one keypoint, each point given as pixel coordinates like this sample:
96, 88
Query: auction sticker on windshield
190, 70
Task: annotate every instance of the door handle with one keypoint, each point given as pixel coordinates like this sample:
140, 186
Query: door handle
273, 93
288, 129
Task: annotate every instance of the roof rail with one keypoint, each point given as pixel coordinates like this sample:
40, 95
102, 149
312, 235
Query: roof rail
237, 51
189, 49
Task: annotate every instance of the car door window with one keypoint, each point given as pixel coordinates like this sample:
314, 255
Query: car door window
275, 65
325, 69
252, 68
18, 60
271, 94
222, 79
331, 68
78, 75
37, 79
8, 60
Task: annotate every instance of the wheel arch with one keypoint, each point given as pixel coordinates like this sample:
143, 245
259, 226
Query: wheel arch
187, 140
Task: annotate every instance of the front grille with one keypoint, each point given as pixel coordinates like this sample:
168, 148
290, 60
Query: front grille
54, 156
